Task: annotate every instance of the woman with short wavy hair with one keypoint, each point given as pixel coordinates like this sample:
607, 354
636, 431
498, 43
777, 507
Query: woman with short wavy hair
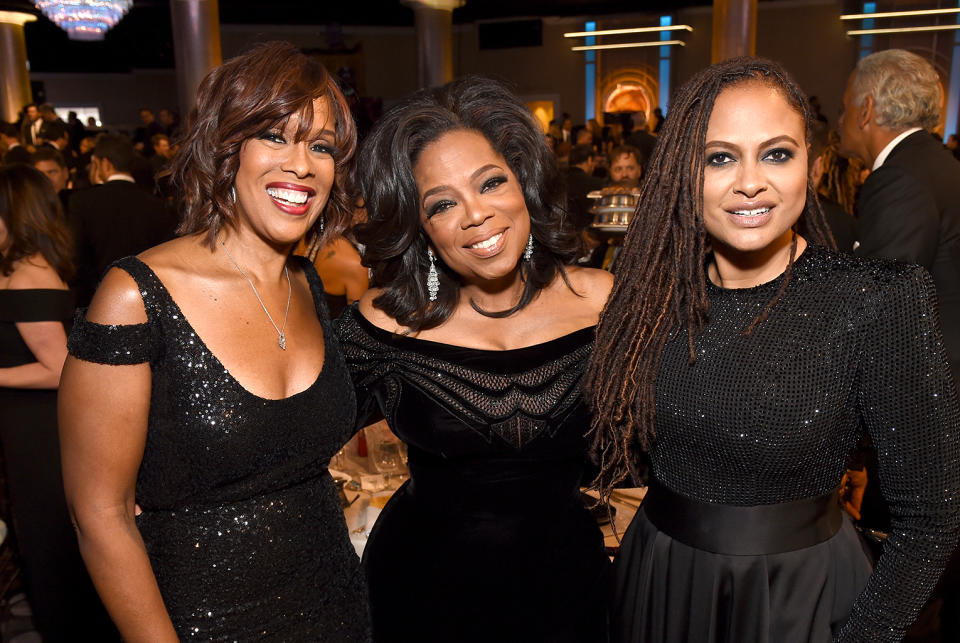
472, 341
205, 383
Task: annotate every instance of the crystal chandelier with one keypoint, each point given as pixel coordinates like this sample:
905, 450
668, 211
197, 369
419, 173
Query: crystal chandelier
84, 19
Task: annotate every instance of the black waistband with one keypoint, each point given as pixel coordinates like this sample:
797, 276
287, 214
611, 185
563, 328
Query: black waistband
753, 530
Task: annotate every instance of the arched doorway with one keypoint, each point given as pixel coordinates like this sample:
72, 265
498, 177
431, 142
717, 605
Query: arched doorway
628, 91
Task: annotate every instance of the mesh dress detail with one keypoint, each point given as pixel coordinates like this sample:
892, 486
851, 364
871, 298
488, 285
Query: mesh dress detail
241, 520
488, 540
852, 346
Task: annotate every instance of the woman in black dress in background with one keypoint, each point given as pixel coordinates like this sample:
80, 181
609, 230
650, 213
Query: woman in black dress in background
747, 362
205, 382
472, 342
34, 305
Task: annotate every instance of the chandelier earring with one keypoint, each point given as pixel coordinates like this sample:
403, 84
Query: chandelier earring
233, 193
433, 280
528, 251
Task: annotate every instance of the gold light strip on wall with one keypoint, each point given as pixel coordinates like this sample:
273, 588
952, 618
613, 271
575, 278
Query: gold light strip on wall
869, 32
617, 32
899, 14
625, 45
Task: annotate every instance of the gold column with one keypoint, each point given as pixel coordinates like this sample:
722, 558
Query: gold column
196, 45
434, 23
14, 75
734, 29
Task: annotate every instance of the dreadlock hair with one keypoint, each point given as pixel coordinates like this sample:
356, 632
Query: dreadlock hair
395, 244
661, 276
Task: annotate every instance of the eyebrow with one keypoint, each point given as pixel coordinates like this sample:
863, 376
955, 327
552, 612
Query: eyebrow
473, 177
775, 139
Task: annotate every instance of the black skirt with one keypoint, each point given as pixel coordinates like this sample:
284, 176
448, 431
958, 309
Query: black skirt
669, 592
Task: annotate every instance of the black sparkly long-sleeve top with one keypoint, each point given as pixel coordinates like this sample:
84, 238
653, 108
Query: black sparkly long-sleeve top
853, 345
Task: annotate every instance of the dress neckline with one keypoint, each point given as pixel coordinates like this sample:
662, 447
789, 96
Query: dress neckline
219, 362
774, 283
433, 347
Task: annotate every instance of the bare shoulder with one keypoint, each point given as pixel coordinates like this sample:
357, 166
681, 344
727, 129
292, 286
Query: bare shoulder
34, 272
173, 254
590, 283
374, 315
117, 300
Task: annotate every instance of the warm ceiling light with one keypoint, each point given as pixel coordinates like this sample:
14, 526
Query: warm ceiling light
899, 14
869, 32
617, 32
625, 45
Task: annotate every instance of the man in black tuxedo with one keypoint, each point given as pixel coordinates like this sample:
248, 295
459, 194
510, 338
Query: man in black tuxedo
10, 135
114, 219
580, 182
909, 206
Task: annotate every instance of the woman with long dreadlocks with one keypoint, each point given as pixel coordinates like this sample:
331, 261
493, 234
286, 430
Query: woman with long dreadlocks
745, 362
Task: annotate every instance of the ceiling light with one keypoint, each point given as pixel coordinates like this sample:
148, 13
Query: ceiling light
899, 14
625, 45
869, 32
84, 19
617, 32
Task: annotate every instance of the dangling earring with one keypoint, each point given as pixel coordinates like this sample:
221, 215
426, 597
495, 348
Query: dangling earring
433, 281
528, 251
321, 224
233, 193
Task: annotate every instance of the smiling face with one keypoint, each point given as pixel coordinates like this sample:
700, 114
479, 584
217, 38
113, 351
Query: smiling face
472, 207
282, 185
755, 175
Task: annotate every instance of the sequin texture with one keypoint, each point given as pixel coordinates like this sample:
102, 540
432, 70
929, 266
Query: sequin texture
853, 345
242, 522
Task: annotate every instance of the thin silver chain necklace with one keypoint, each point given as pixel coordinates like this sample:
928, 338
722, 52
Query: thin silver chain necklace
281, 337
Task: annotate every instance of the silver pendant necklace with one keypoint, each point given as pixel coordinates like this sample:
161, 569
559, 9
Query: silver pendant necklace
281, 337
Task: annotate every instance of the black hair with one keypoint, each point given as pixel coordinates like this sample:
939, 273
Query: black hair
395, 243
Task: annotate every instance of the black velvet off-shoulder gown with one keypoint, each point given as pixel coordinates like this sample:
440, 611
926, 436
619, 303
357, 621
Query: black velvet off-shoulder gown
488, 540
764, 423
241, 520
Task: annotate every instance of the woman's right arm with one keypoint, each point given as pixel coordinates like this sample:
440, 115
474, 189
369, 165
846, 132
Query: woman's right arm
103, 427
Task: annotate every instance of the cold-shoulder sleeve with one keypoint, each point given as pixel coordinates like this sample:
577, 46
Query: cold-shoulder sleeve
908, 402
118, 344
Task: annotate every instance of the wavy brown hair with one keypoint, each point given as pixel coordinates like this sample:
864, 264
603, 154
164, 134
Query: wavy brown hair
32, 214
660, 287
394, 240
240, 100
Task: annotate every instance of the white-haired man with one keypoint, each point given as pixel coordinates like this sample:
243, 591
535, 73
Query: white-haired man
909, 206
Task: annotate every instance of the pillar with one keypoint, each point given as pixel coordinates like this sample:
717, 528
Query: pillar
433, 20
196, 45
734, 29
14, 75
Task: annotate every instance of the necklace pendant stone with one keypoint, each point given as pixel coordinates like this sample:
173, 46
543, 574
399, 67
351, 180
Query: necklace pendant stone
282, 340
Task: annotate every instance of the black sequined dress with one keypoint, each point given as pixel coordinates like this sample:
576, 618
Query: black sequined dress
489, 540
769, 418
241, 520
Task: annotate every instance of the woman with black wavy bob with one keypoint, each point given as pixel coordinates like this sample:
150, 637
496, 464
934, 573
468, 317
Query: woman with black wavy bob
472, 342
